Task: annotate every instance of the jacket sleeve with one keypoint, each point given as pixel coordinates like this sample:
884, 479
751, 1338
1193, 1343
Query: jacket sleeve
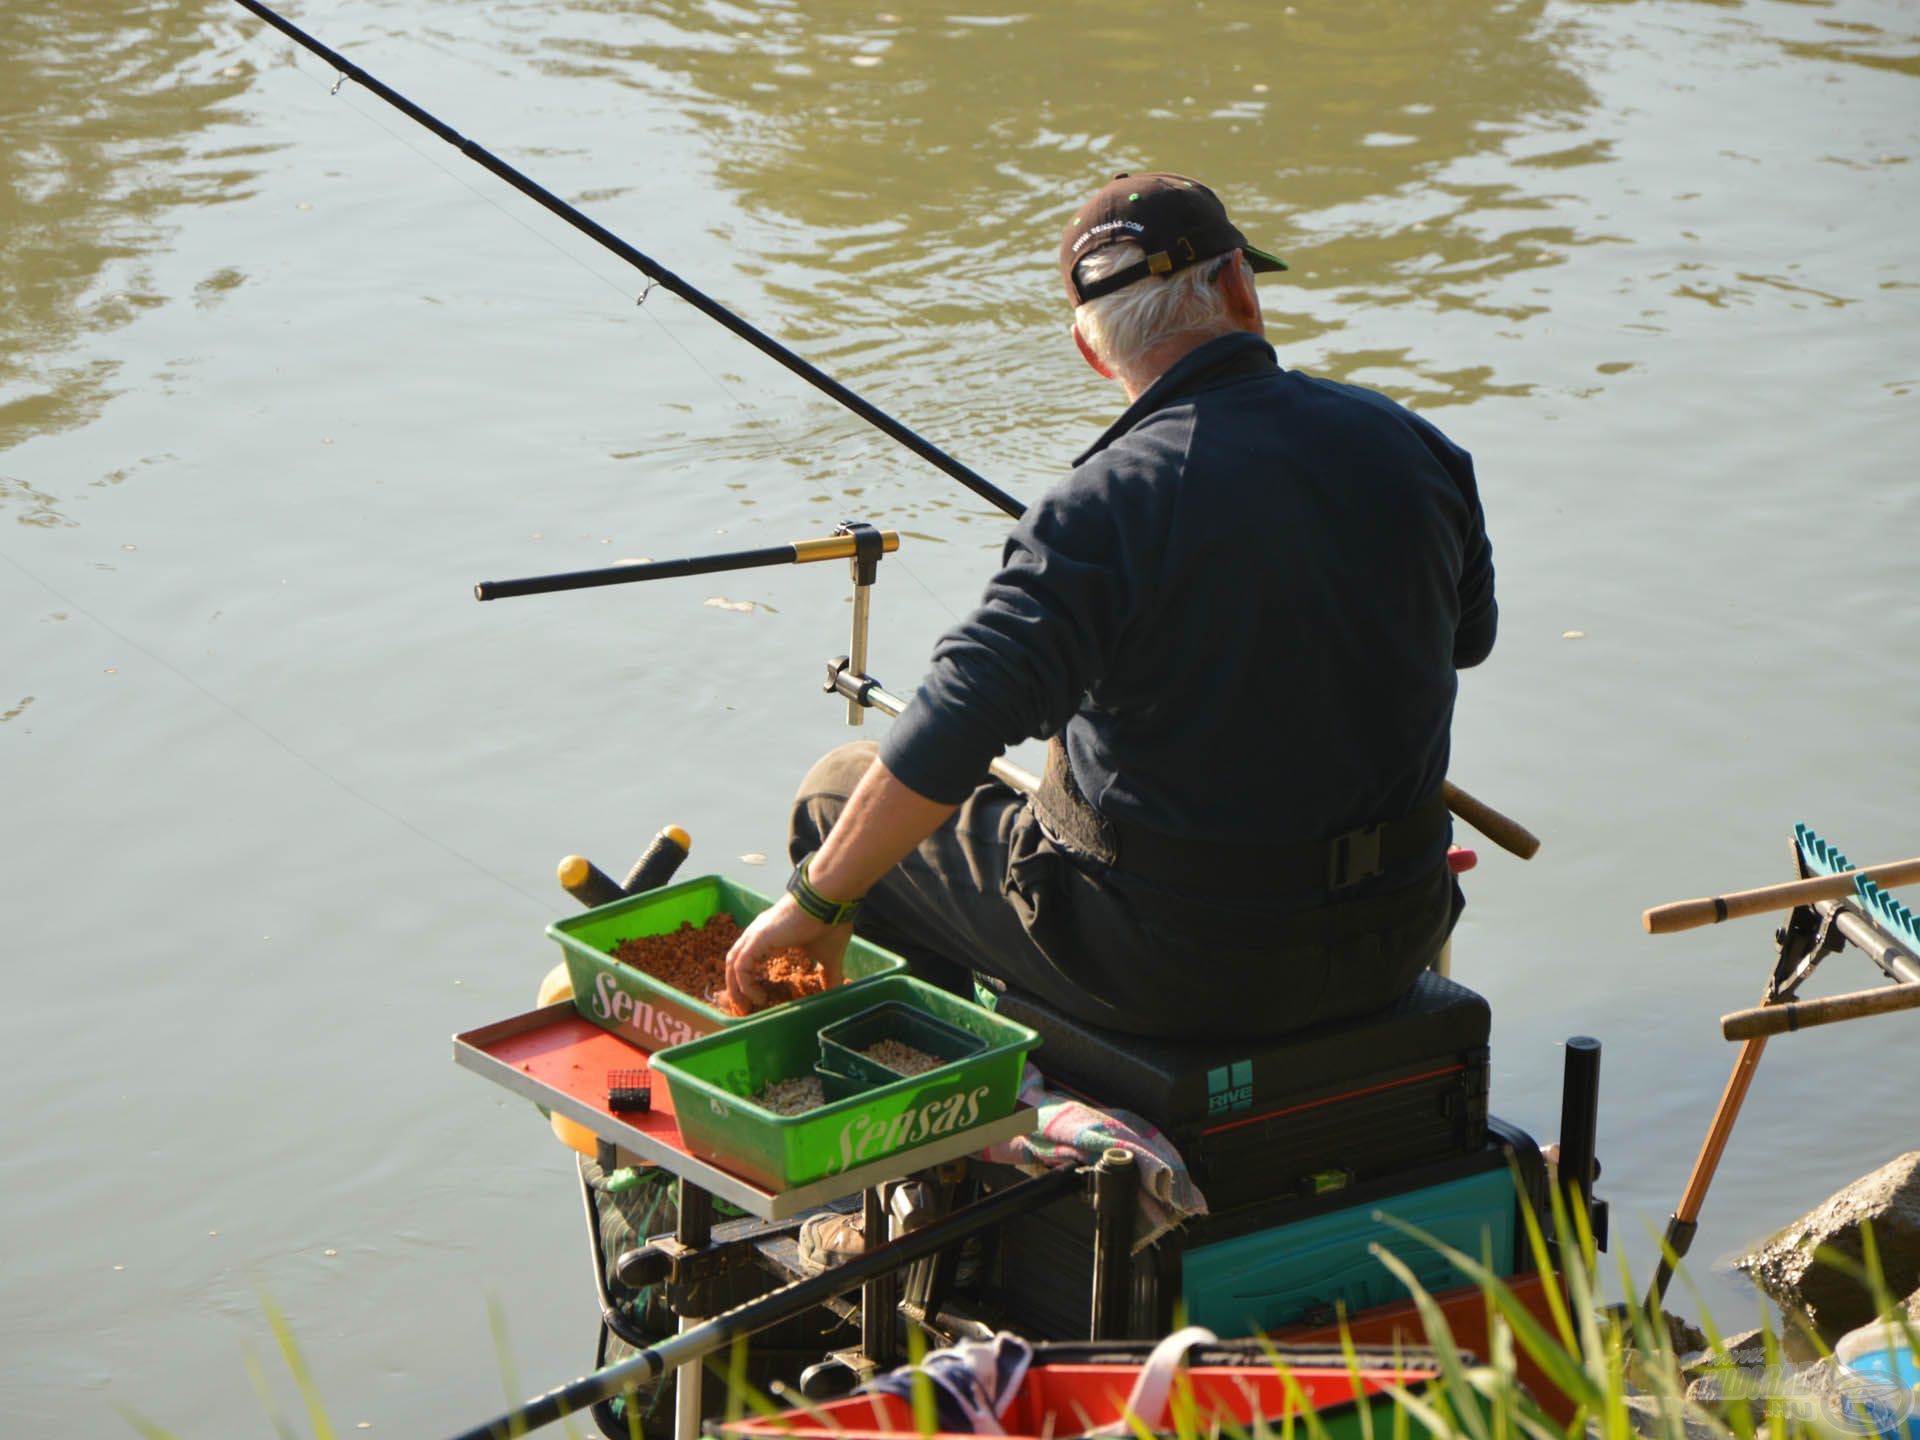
1019, 665
1479, 611
1479, 615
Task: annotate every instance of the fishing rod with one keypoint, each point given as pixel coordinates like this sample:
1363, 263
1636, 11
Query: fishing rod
711, 1336
846, 678
1497, 827
646, 265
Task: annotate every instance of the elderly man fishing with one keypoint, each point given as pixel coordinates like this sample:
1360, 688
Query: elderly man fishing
1237, 619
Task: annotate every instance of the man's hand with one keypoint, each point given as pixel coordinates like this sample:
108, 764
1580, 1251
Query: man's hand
883, 821
780, 927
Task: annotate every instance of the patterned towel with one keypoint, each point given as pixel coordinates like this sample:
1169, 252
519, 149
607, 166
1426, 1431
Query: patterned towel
1072, 1132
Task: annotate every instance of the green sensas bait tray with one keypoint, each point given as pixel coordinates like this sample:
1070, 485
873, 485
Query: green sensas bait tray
713, 1079
649, 1012
844, 1044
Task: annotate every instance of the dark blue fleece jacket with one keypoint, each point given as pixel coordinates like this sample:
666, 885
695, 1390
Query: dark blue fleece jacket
1245, 606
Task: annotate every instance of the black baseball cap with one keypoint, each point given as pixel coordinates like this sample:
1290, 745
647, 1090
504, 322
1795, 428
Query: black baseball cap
1177, 221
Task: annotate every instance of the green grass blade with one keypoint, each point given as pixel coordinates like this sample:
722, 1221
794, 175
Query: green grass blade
1460, 1392
1406, 1403
257, 1375
503, 1358
1536, 1247
297, 1367
1402, 1421
1562, 1365
1895, 1320
1739, 1417
1299, 1406
740, 1392
1352, 1357
150, 1429
1570, 1223
793, 1400
736, 1378
1183, 1406
926, 1416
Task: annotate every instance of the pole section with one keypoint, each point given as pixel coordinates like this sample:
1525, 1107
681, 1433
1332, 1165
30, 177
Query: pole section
777, 1305
646, 265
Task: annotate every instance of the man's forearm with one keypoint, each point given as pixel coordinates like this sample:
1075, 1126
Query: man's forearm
883, 822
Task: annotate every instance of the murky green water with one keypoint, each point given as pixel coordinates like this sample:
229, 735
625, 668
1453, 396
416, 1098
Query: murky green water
281, 377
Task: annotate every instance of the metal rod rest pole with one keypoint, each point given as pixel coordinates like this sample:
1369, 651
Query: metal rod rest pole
798, 552
693, 1228
1893, 959
864, 568
862, 617
864, 690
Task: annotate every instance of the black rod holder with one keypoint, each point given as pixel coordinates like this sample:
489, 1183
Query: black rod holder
1116, 1193
880, 1296
1674, 1245
693, 1227
798, 552
1579, 1122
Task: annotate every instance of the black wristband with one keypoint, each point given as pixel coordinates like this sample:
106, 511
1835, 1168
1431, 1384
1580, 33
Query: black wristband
812, 902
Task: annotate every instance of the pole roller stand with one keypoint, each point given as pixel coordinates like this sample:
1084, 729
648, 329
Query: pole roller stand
588, 883
658, 862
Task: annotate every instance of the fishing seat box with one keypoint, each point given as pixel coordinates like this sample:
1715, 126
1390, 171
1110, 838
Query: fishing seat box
1290, 1264
1298, 1115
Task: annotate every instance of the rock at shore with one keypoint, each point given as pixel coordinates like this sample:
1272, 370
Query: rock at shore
1834, 1301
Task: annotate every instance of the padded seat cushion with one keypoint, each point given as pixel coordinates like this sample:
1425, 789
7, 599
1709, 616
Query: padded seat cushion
1181, 1085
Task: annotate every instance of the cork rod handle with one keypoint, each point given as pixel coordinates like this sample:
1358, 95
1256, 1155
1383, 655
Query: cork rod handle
1799, 1014
1711, 909
1510, 835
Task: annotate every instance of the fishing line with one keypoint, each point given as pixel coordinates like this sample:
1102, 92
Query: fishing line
259, 729
648, 266
337, 88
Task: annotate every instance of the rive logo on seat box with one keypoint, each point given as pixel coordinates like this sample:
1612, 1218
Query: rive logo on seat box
1230, 1087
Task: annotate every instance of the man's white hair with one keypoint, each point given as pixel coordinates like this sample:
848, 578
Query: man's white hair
1123, 326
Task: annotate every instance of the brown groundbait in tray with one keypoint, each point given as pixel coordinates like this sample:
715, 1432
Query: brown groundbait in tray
899, 1056
693, 960
792, 1097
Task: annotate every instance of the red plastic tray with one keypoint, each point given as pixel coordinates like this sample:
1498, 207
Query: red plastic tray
554, 1058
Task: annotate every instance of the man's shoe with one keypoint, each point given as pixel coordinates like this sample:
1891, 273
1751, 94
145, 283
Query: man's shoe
831, 1238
